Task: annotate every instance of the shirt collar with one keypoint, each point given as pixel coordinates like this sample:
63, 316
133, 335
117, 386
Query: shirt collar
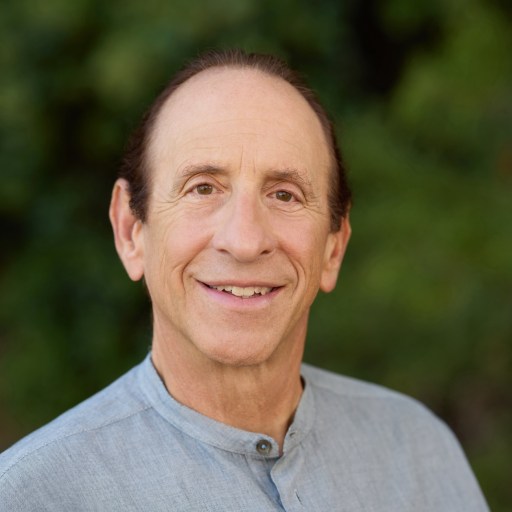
215, 433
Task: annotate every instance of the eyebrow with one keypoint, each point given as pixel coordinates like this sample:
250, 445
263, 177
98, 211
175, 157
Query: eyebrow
287, 174
292, 175
192, 170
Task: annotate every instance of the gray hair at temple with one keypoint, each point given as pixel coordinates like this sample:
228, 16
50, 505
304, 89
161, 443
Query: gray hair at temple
134, 166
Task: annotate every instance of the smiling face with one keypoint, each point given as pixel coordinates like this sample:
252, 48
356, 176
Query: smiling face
237, 241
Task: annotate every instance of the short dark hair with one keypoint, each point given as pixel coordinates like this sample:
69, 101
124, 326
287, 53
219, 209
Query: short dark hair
135, 166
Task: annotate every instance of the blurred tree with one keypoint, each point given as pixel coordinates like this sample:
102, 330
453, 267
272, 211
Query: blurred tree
424, 90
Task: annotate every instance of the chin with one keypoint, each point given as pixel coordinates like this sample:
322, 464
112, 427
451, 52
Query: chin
238, 353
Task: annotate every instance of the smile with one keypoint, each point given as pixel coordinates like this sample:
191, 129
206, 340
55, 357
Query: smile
245, 292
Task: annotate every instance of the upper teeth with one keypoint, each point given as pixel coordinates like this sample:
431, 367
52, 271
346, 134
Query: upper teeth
248, 291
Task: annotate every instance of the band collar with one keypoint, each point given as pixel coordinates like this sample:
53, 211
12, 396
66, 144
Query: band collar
220, 435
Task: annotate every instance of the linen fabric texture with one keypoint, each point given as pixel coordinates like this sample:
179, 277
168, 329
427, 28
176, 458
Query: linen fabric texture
352, 447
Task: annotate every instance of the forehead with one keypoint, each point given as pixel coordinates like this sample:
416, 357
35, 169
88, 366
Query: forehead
221, 109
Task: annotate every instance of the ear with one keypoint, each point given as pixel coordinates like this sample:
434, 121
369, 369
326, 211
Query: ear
127, 228
334, 251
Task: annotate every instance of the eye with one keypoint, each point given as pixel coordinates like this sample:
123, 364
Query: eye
284, 196
204, 189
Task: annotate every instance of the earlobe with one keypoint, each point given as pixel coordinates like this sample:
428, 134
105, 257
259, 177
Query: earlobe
127, 231
334, 253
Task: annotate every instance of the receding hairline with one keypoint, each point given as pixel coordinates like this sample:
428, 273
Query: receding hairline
241, 69
135, 168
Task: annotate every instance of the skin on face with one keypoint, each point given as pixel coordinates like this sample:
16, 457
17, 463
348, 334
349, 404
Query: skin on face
239, 189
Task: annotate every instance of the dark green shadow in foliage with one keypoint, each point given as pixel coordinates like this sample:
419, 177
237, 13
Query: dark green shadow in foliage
422, 96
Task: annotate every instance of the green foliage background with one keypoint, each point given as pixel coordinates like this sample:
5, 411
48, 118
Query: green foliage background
422, 94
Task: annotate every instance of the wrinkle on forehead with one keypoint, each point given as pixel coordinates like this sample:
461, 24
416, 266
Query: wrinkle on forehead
205, 136
213, 99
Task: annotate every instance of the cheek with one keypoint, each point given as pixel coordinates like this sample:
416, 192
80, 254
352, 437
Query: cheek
304, 245
175, 243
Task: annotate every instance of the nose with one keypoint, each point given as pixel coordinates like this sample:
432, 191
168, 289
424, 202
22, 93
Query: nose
243, 229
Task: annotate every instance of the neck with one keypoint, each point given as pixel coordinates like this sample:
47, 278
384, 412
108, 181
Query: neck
258, 398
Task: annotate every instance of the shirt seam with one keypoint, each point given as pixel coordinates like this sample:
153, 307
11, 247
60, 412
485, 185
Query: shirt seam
61, 438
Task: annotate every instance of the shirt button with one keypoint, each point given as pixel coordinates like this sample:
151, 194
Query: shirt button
263, 447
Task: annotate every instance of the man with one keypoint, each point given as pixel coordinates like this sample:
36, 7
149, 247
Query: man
233, 206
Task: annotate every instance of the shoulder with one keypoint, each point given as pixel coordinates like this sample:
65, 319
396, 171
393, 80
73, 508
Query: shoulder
112, 406
392, 440
371, 408
377, 419
350, 390
342, 385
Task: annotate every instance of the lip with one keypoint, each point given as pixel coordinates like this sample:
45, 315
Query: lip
241, 284
233, 302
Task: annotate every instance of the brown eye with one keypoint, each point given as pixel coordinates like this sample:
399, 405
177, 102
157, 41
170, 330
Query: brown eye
204, 189
282, 195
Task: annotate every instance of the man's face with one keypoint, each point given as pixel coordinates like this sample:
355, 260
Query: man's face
237, 240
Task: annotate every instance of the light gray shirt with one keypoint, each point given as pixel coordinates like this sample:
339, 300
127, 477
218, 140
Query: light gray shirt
352, 447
